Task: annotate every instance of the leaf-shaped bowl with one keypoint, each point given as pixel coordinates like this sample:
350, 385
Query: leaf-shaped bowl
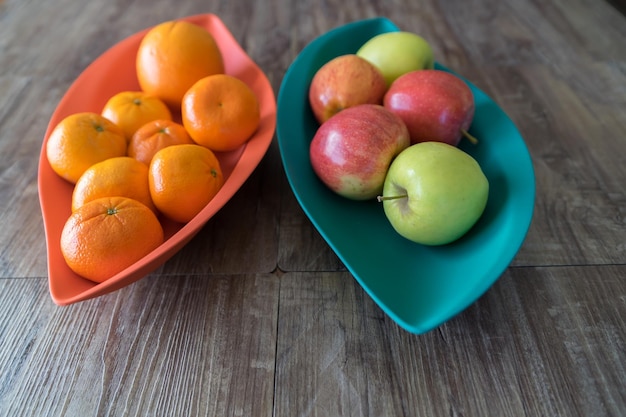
419, 287
112, 72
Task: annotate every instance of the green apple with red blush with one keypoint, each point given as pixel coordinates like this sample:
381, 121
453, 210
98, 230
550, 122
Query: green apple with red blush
436, 105
351, 152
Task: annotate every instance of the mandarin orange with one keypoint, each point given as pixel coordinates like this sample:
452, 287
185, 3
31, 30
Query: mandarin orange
154, 136
183, 179
120, 176
80, 140
132, 109
107, 235
220, 112
172, 56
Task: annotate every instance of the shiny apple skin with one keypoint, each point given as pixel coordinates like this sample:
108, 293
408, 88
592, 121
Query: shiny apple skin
351, 152
396, 53
445, 191
435, 105
343, 82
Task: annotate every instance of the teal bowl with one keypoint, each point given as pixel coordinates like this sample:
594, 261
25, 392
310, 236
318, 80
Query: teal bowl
419, 287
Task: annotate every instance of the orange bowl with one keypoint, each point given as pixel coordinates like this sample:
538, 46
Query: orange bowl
112, 72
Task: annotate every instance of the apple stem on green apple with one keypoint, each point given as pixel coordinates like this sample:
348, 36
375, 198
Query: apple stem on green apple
390, 197
469, 137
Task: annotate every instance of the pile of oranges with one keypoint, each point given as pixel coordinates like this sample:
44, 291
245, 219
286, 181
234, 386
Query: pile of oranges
150, 154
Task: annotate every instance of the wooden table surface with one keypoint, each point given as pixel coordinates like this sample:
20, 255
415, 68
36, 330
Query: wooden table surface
256, 316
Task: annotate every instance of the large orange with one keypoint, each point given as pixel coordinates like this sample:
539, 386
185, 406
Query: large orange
154, 136
172, 56
220, 112
183, 179
132, 109
80, 140
121, 176
107, 235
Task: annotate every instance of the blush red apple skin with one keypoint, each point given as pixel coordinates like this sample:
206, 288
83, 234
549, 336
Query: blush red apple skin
352, 151
345, 81
435, 105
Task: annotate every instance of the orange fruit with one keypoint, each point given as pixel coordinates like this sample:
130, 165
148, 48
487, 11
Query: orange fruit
220, 112
80, 140
172, 56
154, 136
107, 235
183, 179
132, 109
121, 176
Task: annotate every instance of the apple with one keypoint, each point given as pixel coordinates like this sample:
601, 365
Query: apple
345, 81
434, 193
351, 152
396, 53
435, 105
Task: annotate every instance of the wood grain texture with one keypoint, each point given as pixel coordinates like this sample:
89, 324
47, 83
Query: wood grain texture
257, 316
178, 345
542, 341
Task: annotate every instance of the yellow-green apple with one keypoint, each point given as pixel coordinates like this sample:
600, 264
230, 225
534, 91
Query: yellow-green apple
435, 105
342, 82
352, 150
434, 193
396, 53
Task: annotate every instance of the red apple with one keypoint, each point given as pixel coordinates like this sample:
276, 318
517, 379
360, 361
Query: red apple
345, 81
352, 151
435, 105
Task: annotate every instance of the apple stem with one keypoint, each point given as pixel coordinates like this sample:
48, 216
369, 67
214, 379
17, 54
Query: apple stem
469, 137
390, 197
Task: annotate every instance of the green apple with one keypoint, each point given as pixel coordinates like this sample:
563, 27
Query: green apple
396, 53
434, 193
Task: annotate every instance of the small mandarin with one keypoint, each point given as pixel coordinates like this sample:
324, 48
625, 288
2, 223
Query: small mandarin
120, 176
80, 140
107, 235
154, 136
132, 109
220, 112
183, 179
